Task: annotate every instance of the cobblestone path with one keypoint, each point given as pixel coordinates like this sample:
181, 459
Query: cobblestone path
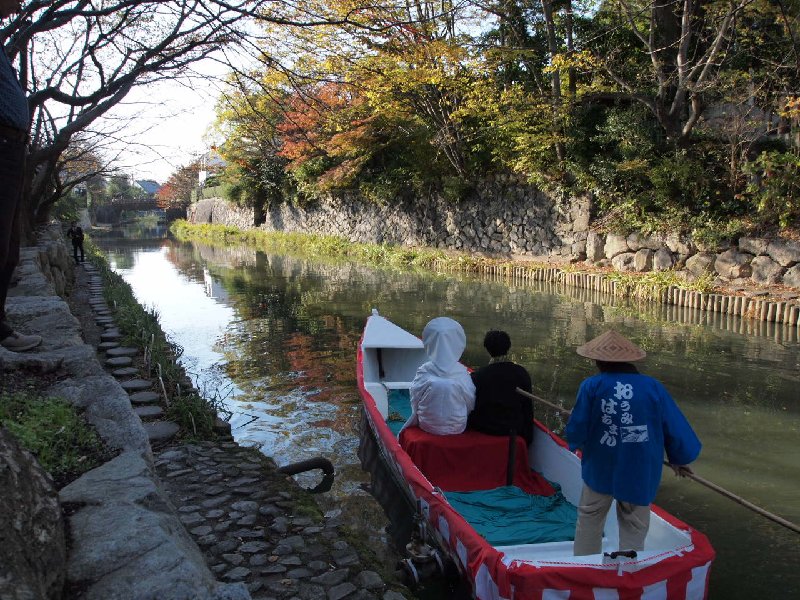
256, 527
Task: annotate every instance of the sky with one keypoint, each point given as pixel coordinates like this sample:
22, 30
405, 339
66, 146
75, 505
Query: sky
166, 125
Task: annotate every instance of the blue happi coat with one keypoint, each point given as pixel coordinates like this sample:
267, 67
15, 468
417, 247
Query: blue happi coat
623, 423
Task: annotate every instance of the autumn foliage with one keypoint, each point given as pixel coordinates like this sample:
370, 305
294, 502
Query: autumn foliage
662, 112
177, 191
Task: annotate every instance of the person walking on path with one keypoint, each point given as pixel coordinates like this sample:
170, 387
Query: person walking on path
623, 422
14, 125
75, 232
499, 409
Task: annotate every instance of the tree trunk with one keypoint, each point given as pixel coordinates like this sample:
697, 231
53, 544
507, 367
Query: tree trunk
572, 84
552, 45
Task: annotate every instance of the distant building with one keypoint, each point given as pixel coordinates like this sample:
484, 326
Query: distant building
149, 186
211, 163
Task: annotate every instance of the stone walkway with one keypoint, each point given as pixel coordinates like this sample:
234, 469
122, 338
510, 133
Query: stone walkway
120, 360
253, 524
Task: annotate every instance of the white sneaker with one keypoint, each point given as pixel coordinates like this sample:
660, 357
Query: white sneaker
20, 343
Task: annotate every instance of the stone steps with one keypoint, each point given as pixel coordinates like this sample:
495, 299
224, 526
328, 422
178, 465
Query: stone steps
149, 412
136, 385
122, 351
125, 372
140, 398
119, 359
161, 432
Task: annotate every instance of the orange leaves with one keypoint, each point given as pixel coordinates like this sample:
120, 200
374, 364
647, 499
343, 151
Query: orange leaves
327, 122
791, 108
177, 191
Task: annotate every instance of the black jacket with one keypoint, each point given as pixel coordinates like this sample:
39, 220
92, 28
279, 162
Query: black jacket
499, 409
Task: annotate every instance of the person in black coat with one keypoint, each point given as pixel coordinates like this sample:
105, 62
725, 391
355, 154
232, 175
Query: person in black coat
499, 409
14, 125
75, 233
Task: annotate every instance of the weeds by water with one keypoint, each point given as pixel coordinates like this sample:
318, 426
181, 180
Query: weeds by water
654, 282
312, 245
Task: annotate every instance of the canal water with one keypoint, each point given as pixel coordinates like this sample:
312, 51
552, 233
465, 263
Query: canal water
274, 339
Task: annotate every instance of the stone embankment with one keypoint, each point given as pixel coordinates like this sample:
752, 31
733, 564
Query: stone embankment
757, 278
505, 218
188, 521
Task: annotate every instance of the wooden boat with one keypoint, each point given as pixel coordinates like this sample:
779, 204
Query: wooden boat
676, 561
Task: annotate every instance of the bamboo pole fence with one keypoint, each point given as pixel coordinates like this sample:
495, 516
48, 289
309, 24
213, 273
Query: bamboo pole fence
750, 314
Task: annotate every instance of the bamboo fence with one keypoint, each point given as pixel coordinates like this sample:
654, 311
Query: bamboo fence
745, 314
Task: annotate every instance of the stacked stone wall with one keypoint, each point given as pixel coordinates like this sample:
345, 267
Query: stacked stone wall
749, 261
216, 210
120, 522
507, 218
503, 217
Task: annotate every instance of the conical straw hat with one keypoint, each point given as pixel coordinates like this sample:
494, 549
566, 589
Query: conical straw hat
611, 347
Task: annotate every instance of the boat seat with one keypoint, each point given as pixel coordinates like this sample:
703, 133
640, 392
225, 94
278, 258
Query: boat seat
397, 385
378, 390
470, 461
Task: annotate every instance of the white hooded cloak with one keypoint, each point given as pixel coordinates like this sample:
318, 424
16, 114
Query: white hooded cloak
442, 393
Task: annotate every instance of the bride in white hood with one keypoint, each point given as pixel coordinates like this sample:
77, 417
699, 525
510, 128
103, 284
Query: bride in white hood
442, 393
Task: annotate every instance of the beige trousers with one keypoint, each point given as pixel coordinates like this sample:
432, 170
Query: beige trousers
634, 521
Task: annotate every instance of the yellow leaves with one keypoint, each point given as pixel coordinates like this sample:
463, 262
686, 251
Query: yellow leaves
791, 108
635, 165
583, 61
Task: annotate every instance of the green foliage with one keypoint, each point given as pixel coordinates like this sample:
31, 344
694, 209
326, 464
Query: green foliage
643, 185
404, 107
216, 191
384, 188
52, 430
119, 186
455, 189
651, 284
256, 182
68, 208
310, 245
715, 233
774, 190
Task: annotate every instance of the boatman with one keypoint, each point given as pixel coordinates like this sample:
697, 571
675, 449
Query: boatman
623, 422
442, 393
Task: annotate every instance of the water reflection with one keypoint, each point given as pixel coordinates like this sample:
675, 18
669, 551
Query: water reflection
281, 333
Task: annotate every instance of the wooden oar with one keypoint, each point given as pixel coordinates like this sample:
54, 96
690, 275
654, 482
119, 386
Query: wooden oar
701, 480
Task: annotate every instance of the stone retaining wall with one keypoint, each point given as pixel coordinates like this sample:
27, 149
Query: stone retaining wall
511, 219
125, 538
503, 218
751, 260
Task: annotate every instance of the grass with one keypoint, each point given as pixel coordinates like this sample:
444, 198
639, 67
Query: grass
312, 245
53, 431
642, 285
654, 282
140, 326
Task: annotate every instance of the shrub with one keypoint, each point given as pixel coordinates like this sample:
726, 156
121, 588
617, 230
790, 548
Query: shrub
774, 188
53, 431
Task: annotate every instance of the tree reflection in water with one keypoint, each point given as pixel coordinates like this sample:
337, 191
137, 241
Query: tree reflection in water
289, 347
